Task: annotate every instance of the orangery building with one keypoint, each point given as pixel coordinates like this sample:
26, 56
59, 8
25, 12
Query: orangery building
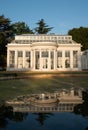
43, 52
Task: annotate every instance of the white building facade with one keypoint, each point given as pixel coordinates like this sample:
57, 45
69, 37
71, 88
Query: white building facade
84, 60
43, 53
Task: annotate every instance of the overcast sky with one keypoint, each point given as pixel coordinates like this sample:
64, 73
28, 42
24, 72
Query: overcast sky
63, 15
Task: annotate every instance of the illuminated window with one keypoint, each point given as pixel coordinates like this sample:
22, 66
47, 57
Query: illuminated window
12, 59
67, 59
75, 59
59, 59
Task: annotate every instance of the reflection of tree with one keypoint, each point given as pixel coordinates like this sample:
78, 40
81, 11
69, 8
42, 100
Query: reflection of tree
4, 112
42, 117
7, 113
82, 108
19, 116
3, 122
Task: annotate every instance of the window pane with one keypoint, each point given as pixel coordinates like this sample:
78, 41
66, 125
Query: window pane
75, 59
59, 59
67, 59
20, 53
27, 53
44, 53
27, 59
59, 53
12, 59
37, 60
52, 59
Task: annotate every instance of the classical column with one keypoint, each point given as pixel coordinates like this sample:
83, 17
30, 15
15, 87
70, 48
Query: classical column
40, 60
31, 59
34, 61
49, 60
23, 59
71, 59
54, 59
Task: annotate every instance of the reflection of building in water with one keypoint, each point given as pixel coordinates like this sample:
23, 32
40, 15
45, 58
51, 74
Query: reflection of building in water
63, 101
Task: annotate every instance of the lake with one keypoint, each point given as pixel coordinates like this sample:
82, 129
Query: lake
63, 110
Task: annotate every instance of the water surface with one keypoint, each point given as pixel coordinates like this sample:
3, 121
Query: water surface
67, 114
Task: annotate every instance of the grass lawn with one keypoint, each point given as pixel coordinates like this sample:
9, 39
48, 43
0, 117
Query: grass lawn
12, 88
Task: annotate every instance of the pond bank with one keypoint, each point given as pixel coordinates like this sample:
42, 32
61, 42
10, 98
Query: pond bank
8, 77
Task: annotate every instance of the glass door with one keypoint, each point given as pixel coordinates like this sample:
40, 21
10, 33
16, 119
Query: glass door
44, 63
44, 59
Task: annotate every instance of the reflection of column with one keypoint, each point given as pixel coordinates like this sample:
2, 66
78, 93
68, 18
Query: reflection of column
16, 59
23, 59
31, 59
63, 93
72, 92
71, 59
42, 96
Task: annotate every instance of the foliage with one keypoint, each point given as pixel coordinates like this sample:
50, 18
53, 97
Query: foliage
21, 28
6, 114
5, 33
3, 61
42, 117
42, 27
5, 37
80, 35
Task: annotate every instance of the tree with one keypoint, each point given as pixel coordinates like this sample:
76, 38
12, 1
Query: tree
21, 28
42, 27
80, 35
5, 37
5, 33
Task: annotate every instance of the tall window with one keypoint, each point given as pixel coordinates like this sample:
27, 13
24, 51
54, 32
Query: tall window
20, 59
75, 59
45, 56
20, 53
12, 59
59, 59
37, 60
44, 53
27, 59
52, 59
67, 59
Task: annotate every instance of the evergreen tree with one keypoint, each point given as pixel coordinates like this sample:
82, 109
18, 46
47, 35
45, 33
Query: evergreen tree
42, 27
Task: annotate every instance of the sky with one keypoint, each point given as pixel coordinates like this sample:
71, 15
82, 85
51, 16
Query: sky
62, 15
